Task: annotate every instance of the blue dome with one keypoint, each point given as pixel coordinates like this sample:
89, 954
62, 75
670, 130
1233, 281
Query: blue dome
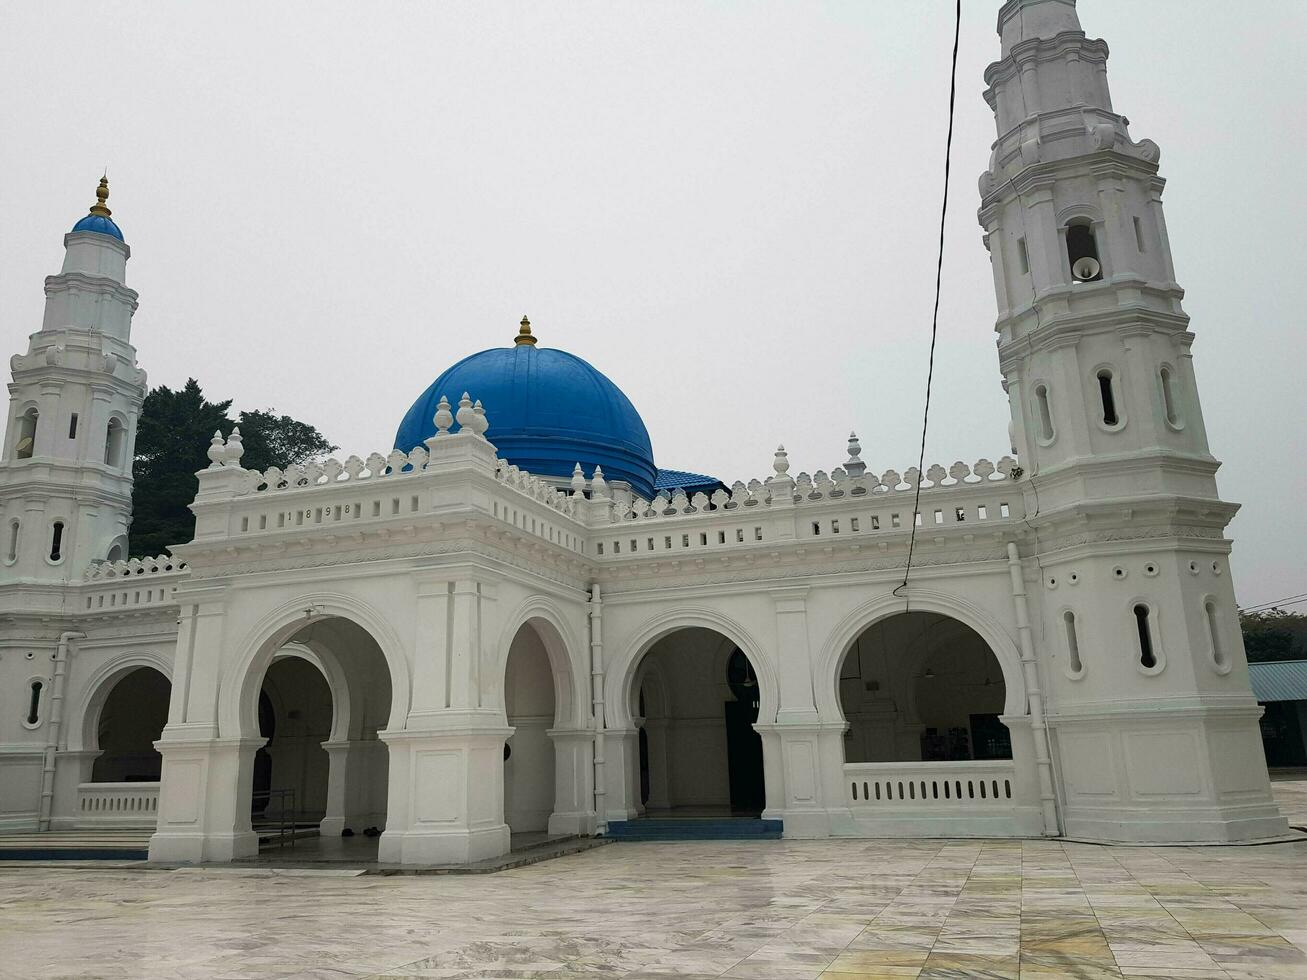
99, 224
548, 411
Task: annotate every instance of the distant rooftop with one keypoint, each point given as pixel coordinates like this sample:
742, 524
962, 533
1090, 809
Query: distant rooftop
1279, 680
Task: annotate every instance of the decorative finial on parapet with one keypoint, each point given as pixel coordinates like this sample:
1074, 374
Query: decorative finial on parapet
466, 414
444, 418
855, 466
480, 423
524, 333
235, 448
598, 485
781, 464
101, 195
578, 480
217, 450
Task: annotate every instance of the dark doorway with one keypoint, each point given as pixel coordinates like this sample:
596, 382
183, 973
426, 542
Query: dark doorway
743, 744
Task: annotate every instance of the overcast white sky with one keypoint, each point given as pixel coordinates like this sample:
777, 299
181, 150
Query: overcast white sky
728, 208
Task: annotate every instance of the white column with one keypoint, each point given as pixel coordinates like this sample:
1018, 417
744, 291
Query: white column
573, 781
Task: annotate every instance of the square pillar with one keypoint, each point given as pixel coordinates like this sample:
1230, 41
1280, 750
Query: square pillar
350, 802
804, 768
446, 798
574, 811
71, 769
204, 800
622, 773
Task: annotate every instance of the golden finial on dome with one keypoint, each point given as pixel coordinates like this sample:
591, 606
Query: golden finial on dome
101, 195
524, 333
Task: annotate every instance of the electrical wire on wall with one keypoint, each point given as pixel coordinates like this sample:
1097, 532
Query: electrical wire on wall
939, 275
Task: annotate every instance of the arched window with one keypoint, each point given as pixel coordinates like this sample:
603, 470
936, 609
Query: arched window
34, 702
25, 444
115, 553
1169, 404
113, 443
1147, 659
1045, 413
57, 541
1214, 633
14, 527
1082, 252
1107, 396
1072, 642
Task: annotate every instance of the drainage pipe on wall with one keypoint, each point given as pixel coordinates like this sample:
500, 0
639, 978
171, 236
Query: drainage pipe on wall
597, 704
1030, 671
55, 723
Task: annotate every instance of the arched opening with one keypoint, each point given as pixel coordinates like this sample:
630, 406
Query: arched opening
922, 687
25, 441
319, 703
531, 709
131, 720
696, 702
116, 552
291, 768
1082, 252
115, 438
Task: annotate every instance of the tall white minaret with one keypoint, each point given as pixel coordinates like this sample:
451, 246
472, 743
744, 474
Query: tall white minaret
1153, 723
66, 468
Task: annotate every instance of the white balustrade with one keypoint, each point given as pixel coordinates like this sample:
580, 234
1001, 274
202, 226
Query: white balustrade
892, 787
117, 804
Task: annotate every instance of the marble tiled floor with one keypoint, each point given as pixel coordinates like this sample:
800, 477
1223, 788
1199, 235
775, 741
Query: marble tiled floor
772, 910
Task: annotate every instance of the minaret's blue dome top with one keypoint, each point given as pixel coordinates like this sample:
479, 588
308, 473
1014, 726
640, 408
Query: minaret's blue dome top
99, 220
99, 224
548, 410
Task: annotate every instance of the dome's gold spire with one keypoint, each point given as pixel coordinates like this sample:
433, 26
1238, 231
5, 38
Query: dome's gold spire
524, 333
101, 195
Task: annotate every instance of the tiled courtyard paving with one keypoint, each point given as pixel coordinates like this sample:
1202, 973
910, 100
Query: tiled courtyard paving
782, 910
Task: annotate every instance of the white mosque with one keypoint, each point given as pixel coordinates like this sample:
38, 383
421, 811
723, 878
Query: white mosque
516, 621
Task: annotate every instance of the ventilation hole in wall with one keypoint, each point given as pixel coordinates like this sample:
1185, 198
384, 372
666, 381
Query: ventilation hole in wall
1052, 582
1044, 413
895, 521
1216, 568
853, 524
57, 541
1107, 397
959, 514
1193, 568
1146, 658
1118, 572
1072, 641
1139, 235
1150, 569
1073, 577
34, 702
1169, 405
1023, 257
72, 426
14, 527
816, 528
1214, 633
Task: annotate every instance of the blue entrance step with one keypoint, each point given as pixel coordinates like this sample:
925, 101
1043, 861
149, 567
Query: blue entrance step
682, 828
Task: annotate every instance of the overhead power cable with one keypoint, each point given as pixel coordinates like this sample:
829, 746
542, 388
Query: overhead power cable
939, 277
1289, 600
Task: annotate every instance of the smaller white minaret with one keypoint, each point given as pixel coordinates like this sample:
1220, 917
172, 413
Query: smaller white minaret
66, 467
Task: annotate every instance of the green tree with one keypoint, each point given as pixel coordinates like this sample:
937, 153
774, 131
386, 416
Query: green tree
172, 441
1274, 634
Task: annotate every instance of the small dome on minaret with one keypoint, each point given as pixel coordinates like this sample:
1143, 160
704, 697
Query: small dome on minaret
98, 219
